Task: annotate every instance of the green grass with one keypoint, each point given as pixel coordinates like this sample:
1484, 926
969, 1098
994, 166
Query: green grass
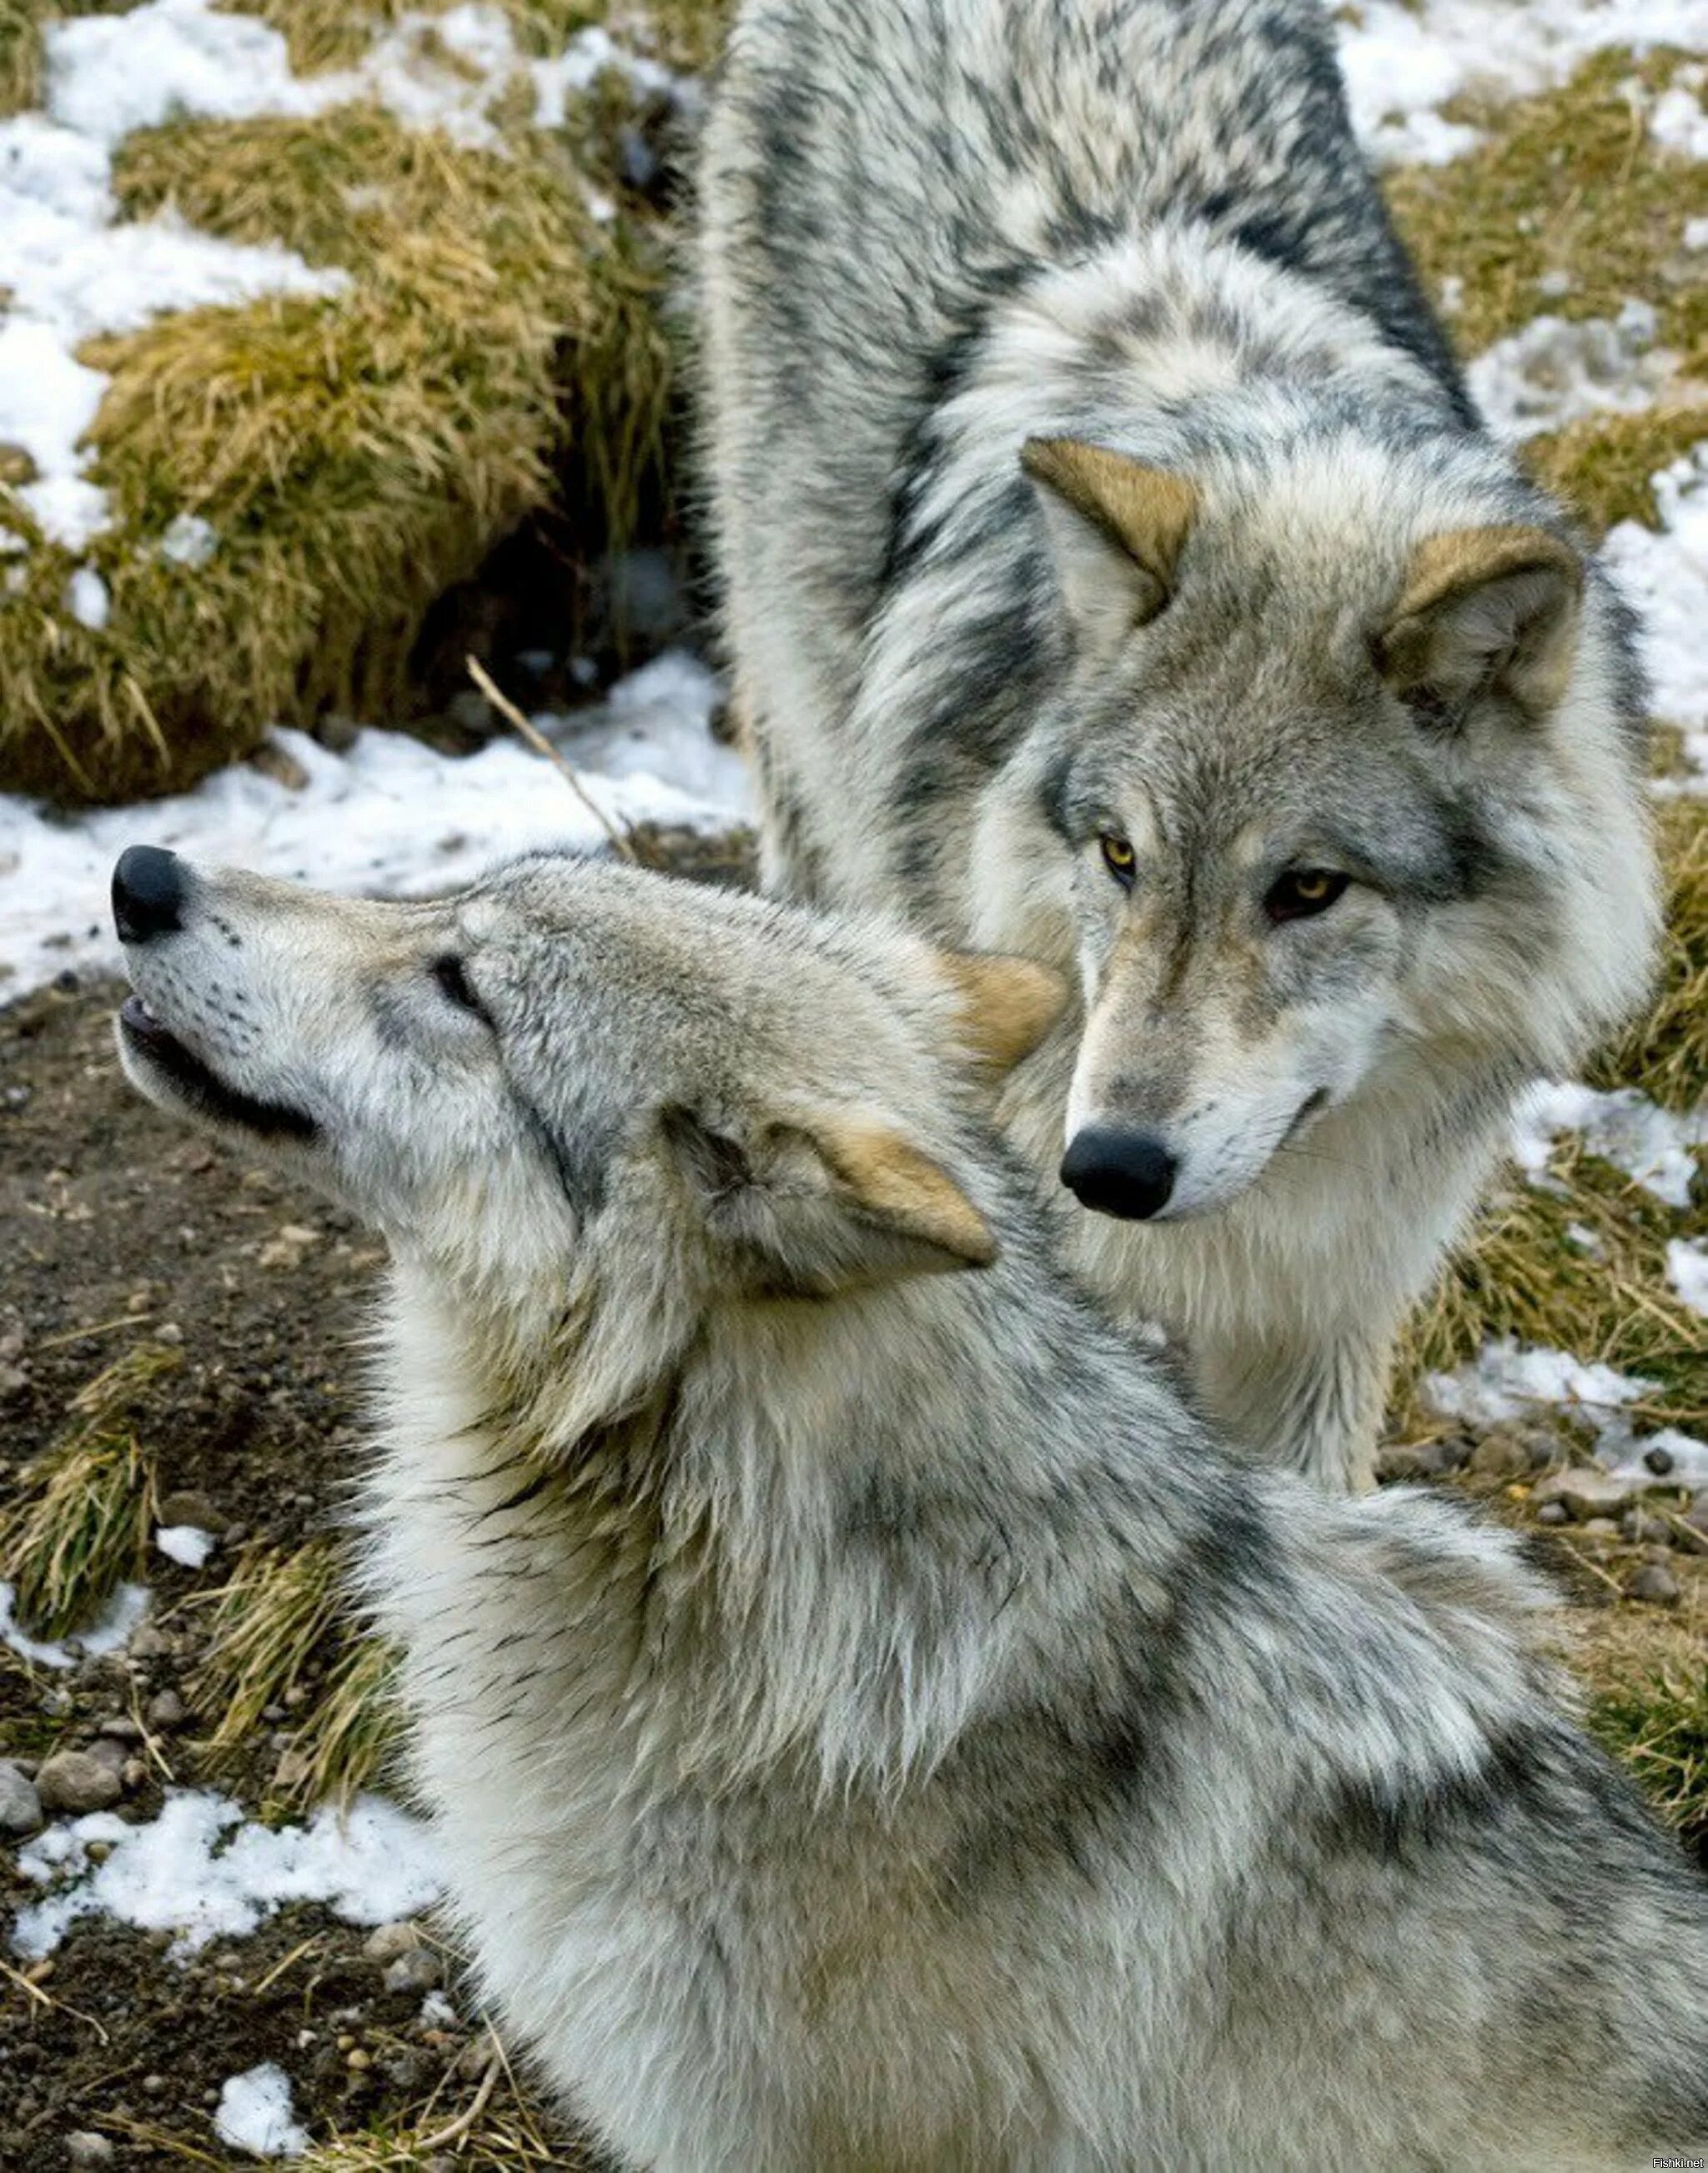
1658, 1725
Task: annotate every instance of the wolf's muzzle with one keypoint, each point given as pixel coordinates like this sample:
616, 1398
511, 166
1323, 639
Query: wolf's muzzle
150, 890
1127, 1174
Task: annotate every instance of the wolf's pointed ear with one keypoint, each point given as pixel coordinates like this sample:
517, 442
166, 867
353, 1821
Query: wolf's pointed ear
1483, 611
1005, 1005
826, 1201
1118, 527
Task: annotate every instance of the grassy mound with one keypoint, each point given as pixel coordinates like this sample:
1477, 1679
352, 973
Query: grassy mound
497, 347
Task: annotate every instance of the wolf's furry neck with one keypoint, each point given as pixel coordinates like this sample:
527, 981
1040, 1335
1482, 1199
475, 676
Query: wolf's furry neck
821, 1536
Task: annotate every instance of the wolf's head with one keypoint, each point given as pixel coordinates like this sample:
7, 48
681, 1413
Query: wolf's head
576, 1089
1340, 779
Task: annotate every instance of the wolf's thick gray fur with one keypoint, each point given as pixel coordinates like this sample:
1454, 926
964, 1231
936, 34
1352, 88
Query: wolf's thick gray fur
870, 1723
1270, 604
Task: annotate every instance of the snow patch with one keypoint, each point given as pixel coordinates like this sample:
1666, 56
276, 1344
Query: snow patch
654, 732
1405, 60
1508, 1380
111, 1631
1677, 123
1652, 1145
201, 1871
1665, 579
389, 816
254, 2114
189, 541
87, 598
188, 1544
1687, 1270
1554, 370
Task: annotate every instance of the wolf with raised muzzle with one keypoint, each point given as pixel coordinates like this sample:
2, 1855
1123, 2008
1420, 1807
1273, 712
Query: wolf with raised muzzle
1115, 571
872, 1726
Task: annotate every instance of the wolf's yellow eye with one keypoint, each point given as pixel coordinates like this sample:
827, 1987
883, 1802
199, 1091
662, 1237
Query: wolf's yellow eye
1118, 857
1302, 892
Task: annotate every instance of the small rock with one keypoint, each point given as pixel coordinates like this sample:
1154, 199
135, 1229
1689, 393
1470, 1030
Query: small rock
1554, 1512
477, 2056
121, 1729
134, 1775
167, 1712
280, 764
20, 1805
188, 1507
389, 1941
150, 1644
1542, 1447
1601, 1527
1408, 1462
83, 2146
293, 1769
110, 1753
1655, 1582
77, 1781
1500, 1457
1585, 1491
1642, 1529
1658, 1461
419, 1970
408, 2070
358, 2058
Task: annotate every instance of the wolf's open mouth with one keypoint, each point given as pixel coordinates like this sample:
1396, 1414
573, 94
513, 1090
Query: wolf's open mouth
201, 1089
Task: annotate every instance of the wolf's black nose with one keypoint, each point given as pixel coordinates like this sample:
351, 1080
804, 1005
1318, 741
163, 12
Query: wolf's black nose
149, 891
1125, 1173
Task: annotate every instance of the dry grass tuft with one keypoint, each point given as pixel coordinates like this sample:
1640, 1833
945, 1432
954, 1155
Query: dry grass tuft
1524, 1274
281, 1637
493, 2126
1604, 466
355, 456
88, 1506
1666, 1051
331, 34
1568, 187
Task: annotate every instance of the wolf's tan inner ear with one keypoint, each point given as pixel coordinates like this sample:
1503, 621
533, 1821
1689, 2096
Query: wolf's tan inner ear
1007, 1005
892, 1183
1485, 610
1144, 511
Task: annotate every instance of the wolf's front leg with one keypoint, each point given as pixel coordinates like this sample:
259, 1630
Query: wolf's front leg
1313, 1406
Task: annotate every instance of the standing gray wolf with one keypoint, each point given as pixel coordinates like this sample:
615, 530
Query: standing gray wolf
1115, 572
873, 1727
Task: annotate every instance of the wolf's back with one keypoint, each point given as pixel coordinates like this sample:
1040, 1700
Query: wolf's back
876, 179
